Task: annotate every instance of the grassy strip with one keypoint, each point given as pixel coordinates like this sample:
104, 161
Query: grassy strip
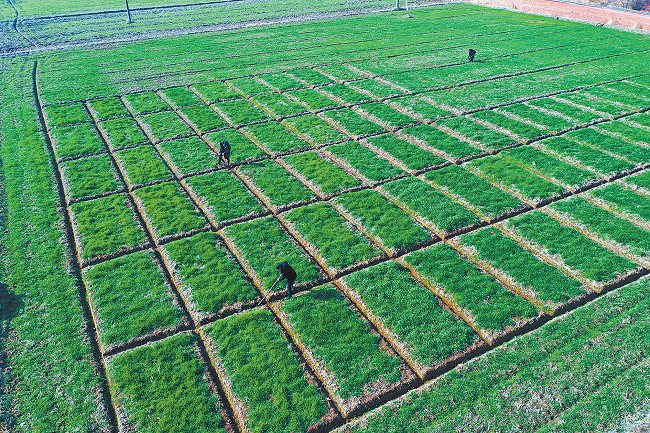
339, 338
225, 196
627, 131
605, 224
476, 132
537, 161
383, 219
282, 82
264, 244
365, 161
640, 118
578, 252
636, 154
242, 148
624, 199
548, 121
353, 122
642, 179
348, 95
209, 274
279, 105
312, 99
386, 114
437, 139
492, 306
597, 160
249, 86
411, 155
566, 340
169, 209
512, 176
572, 111
148, 382
189, 154
431, 204
312, 77
241, 111
420, 107
278, 184
203, 118
377, 89
130, 298
339, 244
581, 98
77, 140
142, 164
489, 199
328, 177
340, 72
276, 137
90, 176
618, 92
145, 102
518, 128
181, 96
502, 252
165, 125
214, 91
266, 374
65, 114
411, 312
121, 132
315, 129
50, 377
108, 107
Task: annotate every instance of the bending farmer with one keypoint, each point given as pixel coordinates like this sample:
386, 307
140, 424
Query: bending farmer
287, 272
224, 152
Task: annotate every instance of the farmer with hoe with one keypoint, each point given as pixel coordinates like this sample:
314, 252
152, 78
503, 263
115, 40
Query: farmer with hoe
287, 272
471, 55
224, 152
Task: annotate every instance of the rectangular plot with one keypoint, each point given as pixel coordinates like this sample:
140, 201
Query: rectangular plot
165, 125
145, 102
131, 299
539, 162
76, 140
516, 178
143, 165
276, 137
412, 313
89, 176
617, 146
312, 99
203, 118
146, 382
189, 154
435, 138
281, 82
265, 375
376, 88
420, 107
476, 132
490, 200
624, 199
225, 197
215, 91
336, 240
413, 157
248, 86
577, 251
264, 244
642, 119
276, 183
108, 108
209, 275
310, 76
337, 336
606, 225
327, 176
580, 115
122, 132
104, 226
428, 202
279, 105
240, 111
181, 96
544, 281
492, 305
383, 219
365, 161
594, 103
608, 94
65, 114
352, 122
642, 179
629, 132
389, 116
345, 93
547, 120
241, 148
520, 129
315, 129
340, 72
599, 161
169, 210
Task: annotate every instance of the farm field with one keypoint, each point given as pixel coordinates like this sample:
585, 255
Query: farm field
471, 239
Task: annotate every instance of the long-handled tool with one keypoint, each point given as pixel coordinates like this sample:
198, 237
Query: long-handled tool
264, 298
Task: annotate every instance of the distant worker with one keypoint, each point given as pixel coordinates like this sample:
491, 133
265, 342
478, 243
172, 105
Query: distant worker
224, 152
287, 272
472, 53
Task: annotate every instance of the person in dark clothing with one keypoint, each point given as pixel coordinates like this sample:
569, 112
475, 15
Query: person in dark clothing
287, 272
471, 55
224, 152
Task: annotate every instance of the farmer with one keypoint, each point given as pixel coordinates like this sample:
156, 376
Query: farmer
224, 152
471, 55
287, 272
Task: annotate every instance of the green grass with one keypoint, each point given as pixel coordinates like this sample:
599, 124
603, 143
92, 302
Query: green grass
548, 121
147, 381
276, 137
476, 132
145, 102
242, 149
264, 244
579, 115
642, 179
278, 184
209, 274
249, 86
585, 155
203, 118
518, 128
594, 103
279, 105
108, 107
329, 178
165, 125
577, 251
365, 161
90, 176
169, 209
142, 165
131, 298
77, 140
383, 219
628, 132
266, 374
215, 91
637, 154
431, 204
65, 114
189, 154
181, 96
226, 198
412, 312
624, 199
315, 129
413, 157
281, 82
420, 107
492, 306
106, 225
435, 138
340, 72
122, 132
310, 76
386, 114
339, 243
377, 89
241, 111
312, 99
503, 253
346, 94
341, 340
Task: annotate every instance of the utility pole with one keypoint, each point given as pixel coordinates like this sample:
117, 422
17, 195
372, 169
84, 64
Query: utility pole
128, 12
